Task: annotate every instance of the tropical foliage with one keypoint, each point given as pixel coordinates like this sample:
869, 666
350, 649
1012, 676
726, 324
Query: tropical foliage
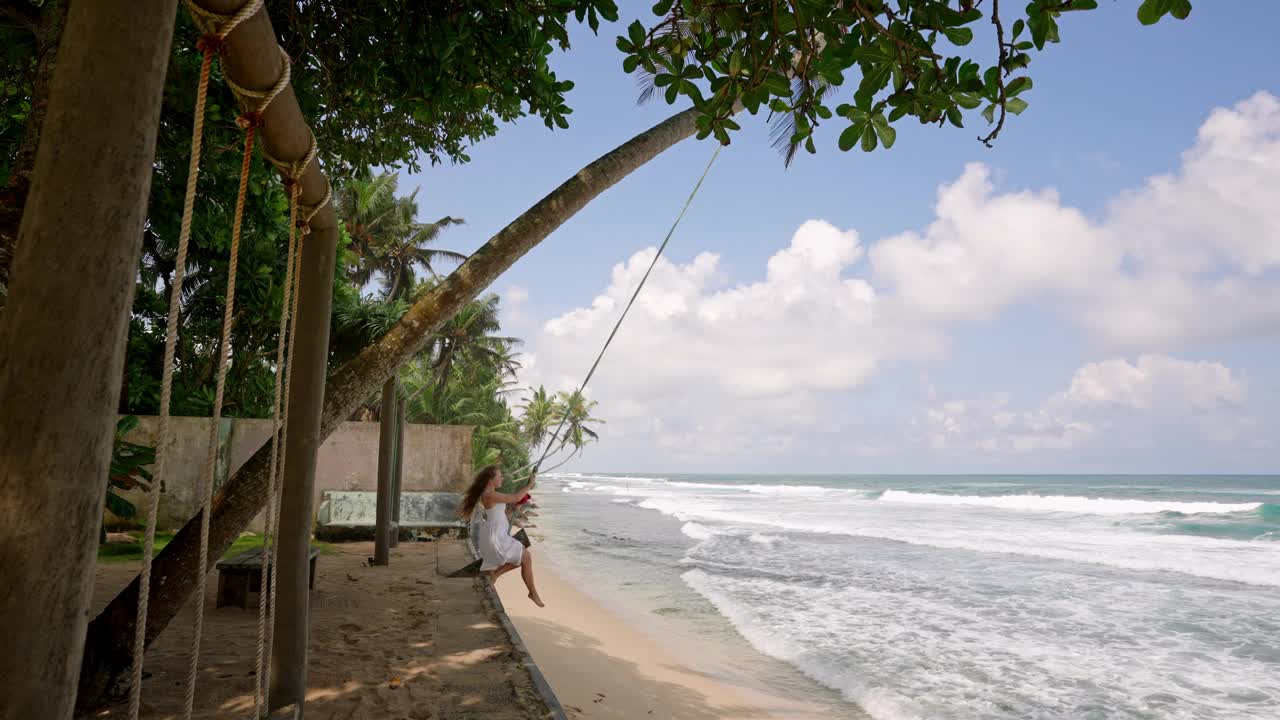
129, 463
901, 57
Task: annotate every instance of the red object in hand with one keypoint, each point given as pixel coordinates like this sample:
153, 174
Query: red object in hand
527, 497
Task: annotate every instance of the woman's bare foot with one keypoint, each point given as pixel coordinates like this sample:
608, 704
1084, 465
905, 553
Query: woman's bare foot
536, 600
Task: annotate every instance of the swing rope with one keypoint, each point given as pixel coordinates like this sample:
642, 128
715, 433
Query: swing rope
216, 27
640, 286
208, 45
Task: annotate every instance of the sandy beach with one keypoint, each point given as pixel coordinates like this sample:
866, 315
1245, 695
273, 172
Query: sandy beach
600, 666
395, 643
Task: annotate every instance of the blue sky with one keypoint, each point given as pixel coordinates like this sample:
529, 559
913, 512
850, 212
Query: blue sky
1068, 315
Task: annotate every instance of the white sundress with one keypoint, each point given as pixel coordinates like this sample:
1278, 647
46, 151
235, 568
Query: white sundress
497, 547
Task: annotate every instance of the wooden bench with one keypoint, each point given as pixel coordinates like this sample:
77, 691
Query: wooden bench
242, 574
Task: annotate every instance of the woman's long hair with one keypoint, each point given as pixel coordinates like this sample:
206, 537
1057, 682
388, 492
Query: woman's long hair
472, 496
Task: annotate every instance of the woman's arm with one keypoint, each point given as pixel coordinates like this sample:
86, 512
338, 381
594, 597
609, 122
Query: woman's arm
497, 497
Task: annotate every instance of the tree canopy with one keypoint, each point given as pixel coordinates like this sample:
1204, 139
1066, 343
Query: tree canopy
902, 57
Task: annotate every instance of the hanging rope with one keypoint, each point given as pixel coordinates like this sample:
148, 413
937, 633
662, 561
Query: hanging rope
565, 416
211, 459
208, 45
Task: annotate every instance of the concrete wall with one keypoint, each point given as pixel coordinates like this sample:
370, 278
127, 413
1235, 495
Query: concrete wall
437, 457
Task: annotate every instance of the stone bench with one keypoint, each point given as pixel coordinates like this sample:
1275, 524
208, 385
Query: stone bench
240, 575
352, 514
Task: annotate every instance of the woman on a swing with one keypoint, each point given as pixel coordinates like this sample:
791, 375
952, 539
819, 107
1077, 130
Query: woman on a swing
499, 552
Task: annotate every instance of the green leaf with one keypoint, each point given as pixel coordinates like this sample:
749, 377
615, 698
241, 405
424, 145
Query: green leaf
868, 139
872, 83
1015, 105
1017, 86
968, 101
824, 112
1018, 27
635, 31
884, 130
630, 64
989, 112
1181, 9
1150, 11
959, 36
954, 116
119, 506
850, 136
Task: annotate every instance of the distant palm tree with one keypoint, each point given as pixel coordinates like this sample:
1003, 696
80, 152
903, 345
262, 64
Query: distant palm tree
386, 238
575, 409
396, 259
469, 335
367, 206
538, 417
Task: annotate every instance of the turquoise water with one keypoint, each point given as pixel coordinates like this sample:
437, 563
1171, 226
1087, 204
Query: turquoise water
976, 597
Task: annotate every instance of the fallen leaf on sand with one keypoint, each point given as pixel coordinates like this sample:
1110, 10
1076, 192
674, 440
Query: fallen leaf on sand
395, 683
352, 578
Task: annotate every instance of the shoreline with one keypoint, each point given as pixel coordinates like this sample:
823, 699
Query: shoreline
600, 665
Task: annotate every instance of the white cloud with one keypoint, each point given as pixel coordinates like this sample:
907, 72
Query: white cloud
1103, 401
1155, 381
805, 327
703, 365
1179, 260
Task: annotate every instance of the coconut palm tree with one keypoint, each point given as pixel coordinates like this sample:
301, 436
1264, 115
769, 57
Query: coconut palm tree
386, 238
538, 417
468, 335
574, 409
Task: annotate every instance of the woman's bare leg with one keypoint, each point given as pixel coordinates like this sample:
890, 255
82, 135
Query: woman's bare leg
526, 572
495, 574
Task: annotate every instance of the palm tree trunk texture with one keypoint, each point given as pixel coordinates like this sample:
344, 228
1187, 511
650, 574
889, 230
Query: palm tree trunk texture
62, 338
244, 494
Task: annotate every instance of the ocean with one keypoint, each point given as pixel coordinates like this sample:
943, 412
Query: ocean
939, 597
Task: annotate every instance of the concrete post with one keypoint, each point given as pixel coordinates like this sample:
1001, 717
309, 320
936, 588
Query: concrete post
386, 474
398, 481
306, 398
62, 338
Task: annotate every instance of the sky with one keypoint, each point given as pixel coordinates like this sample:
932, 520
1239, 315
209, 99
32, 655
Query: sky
1098, 293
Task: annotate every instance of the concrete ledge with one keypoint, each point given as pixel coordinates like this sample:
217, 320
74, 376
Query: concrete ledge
556, 710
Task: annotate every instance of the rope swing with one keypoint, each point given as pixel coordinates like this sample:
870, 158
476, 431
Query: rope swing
640, 286
216, 27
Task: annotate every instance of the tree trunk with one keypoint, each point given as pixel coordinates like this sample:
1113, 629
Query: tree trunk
386, 474
62, 339
244, 494
14, 195
397, 480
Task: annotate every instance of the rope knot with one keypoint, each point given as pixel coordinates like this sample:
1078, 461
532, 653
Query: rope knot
210, 43
249, 120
